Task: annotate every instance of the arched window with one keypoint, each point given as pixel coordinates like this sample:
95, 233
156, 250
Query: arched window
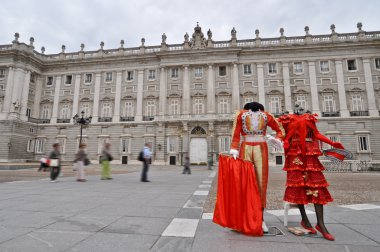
198, 130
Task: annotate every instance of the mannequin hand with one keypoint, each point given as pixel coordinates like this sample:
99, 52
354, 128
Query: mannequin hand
337, 145
234, 153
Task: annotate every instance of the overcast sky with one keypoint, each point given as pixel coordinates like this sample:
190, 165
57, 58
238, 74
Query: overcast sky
54, 23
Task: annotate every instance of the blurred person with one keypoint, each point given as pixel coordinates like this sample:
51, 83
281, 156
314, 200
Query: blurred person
186, 166
80, 161
55, 162
146, 159
105, 160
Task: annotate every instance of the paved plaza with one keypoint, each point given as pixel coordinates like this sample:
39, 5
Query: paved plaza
167, 214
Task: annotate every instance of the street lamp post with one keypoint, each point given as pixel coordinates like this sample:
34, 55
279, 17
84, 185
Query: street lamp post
82, 121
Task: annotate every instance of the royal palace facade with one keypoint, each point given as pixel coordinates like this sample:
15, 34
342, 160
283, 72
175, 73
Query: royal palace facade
183, 97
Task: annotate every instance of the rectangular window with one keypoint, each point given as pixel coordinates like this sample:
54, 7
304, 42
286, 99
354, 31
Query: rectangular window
28, 112
222, 71
275, 106
65, 112
247, 69
107, 109
49, 81
174, 73
62, 143
69, 79
301, 101
248, 99
109, 77
377, 63
2, 73
45, 112
125, 145
174, 107
223, 105
129, 111
172, 144
198, 72
272, 68
334, 138
224, 144
363, 143
297, 66
198, 106
324, 66
150, 108
328, 103
39, 146
357, 103
351, 65
86, 108
88, 78
130, 75
30, 146
152, 75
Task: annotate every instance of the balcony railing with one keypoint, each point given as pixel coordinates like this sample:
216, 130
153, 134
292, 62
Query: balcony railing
63, 120
38, 121
331, 114
148, 118
359, 113
127, 118
105, 119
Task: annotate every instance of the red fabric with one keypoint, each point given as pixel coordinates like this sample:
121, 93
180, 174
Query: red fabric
238, 204
305, 182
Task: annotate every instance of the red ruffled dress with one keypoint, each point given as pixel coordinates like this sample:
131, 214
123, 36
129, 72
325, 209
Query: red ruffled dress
305, 181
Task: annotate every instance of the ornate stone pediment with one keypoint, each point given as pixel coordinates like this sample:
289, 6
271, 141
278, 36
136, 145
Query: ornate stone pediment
85, 99
248, 93
66, 100
198, 41
151, 95
129, 97
223, 93
107, 98
174, 94
328, 90
300, 91
46, 101
274, 92
356, 90
199, 93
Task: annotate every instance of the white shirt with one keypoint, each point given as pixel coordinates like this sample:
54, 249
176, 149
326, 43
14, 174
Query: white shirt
147, 152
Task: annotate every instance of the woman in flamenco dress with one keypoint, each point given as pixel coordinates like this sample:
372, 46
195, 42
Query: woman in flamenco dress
305, 181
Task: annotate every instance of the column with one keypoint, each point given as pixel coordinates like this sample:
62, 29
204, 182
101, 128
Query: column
95, 113
185, 139
369, 87
8, 91
235, 89
186, 92
25, 95
314, 89
287, 91
54, 117
260, 84
76, 96
37, 98
163, 88
140, 89
116, 113
211, 90
341, 89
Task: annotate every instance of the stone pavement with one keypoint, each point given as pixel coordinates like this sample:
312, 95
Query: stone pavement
164, 215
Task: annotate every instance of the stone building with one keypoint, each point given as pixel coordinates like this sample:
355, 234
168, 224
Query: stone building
182, 97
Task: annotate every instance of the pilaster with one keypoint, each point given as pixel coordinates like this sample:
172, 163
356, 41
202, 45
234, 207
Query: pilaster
314, 89
116, 114
57, 91
95, 113
139, 100
235, 88
287, 91
369, 88
76, 96
341, 89
260, 84
186, 92
211, 90
25, 95
163, 87
37, 98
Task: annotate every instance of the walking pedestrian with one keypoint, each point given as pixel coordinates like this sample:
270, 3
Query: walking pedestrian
80, 159
186, 166
146, 159
106, 159
55, 162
